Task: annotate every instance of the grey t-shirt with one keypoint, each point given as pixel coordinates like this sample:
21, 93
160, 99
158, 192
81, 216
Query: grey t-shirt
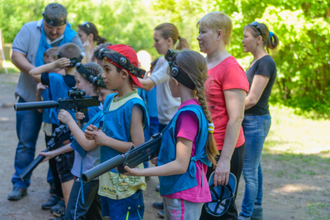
91, 159
167, 105
27, 42
267, 67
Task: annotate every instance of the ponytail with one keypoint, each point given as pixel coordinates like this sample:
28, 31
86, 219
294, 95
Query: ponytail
100, 40
183, 43
272, 41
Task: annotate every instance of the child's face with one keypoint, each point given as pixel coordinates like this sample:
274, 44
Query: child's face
103, 93
82, 83
111, 77
48, 59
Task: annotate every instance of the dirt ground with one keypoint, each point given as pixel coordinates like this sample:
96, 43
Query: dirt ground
288, 194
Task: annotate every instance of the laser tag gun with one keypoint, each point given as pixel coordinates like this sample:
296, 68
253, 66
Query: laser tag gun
60, 134
76, 100
132, 158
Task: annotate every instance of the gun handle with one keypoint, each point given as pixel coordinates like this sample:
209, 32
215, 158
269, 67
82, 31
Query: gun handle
28, 170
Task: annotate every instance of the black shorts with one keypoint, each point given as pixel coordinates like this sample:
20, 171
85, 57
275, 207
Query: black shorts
64, 163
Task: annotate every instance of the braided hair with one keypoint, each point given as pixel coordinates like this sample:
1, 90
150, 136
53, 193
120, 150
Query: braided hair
194, 64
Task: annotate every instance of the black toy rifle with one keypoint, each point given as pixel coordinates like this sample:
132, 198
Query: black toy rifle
76, 100
132, 158
60, 134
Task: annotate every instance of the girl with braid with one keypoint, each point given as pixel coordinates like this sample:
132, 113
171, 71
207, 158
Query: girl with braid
187, 147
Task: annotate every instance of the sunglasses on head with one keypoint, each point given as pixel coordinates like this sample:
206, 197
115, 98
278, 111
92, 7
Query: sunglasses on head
256, 25
86, 24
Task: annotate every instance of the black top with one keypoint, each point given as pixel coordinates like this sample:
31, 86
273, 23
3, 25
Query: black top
266, 67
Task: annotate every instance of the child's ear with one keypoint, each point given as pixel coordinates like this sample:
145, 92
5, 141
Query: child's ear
176, 81
124, 73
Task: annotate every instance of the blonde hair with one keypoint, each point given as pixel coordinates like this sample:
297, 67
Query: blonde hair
168, 30
195, 65
217, 20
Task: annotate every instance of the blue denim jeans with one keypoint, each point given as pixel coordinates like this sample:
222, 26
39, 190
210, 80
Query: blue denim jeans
255, 129
28, 124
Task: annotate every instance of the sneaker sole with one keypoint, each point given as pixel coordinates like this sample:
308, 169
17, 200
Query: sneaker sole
56, 214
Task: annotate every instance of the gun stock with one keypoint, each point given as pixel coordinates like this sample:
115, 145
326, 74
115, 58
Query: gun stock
60, 134
132, 158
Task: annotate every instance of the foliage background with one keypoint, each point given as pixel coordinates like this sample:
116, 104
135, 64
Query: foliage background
303, 27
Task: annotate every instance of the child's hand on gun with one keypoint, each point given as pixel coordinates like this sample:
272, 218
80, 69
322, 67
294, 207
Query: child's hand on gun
41, 87
80, 116
132, 171
63, 62
154, 160
48, 155
65, 117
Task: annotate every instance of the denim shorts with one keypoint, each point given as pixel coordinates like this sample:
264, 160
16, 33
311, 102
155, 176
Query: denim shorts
130, 208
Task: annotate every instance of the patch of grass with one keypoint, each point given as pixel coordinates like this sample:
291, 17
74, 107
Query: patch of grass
317, 210
280, 173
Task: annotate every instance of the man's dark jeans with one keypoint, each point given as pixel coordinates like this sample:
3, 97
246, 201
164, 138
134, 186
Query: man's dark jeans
28, 124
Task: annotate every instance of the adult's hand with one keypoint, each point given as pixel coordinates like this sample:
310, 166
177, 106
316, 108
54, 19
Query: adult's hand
221, 174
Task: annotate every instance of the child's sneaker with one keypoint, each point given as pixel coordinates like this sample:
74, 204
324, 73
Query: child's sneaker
58, 209
53, 200
161, 214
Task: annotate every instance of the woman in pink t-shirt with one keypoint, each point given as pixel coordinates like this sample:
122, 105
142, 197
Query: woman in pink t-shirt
226, 89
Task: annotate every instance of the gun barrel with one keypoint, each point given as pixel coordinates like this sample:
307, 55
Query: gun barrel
35, 105
28, 170
104, 167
